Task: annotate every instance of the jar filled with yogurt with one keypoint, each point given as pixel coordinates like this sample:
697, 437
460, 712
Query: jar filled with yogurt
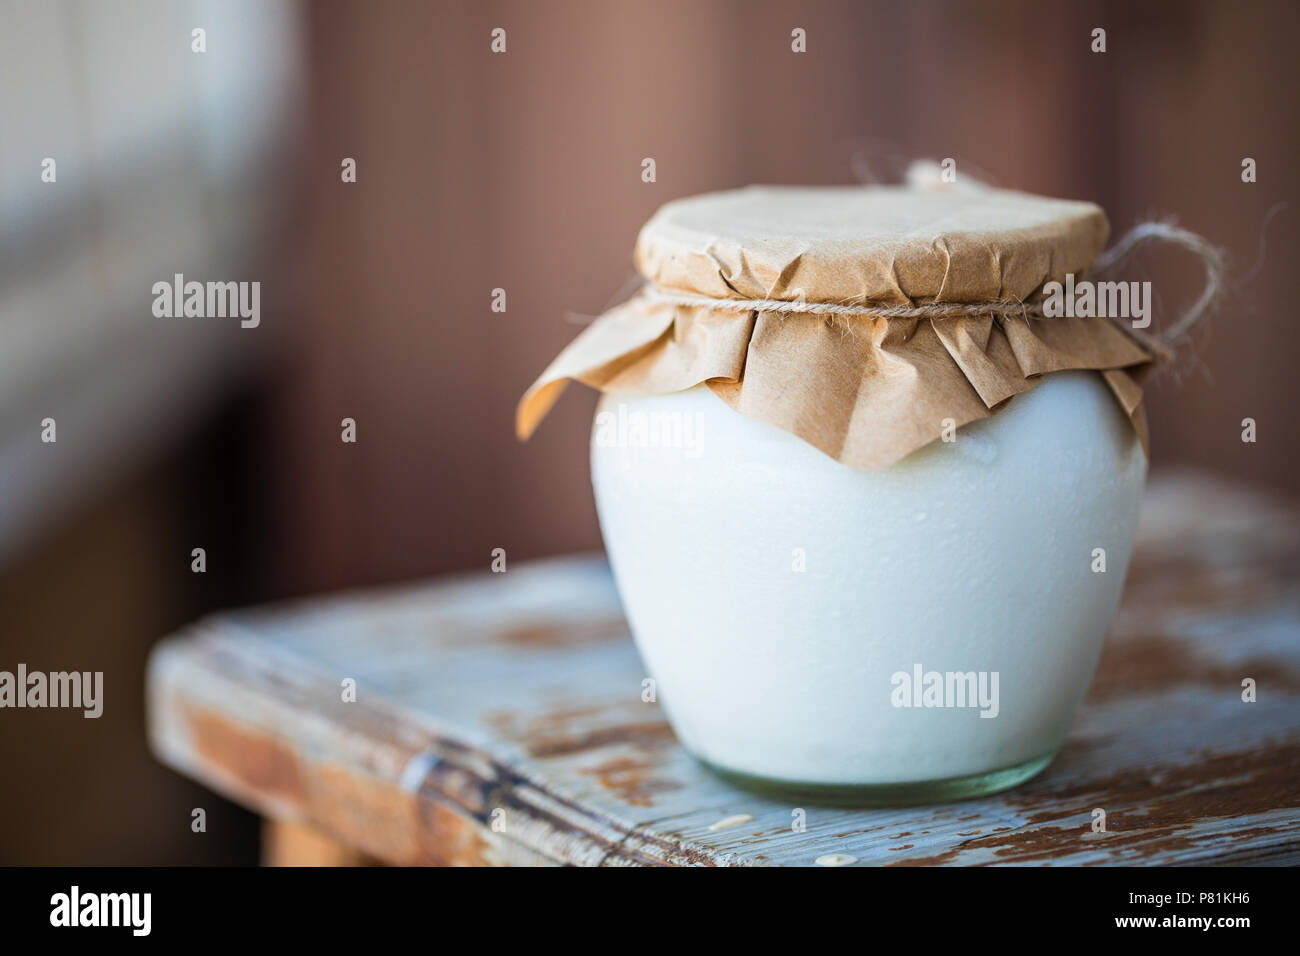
869, 508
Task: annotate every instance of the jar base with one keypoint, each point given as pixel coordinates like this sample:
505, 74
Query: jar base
886, 794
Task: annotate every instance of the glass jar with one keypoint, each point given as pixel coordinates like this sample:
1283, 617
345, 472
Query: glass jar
868, 507
791, 608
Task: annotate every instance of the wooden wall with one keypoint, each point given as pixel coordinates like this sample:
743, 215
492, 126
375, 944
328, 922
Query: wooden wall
521, 171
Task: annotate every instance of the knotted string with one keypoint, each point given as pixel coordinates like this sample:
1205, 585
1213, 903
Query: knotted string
1108, 263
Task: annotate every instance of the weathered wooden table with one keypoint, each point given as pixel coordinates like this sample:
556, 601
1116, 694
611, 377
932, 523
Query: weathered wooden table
498, 720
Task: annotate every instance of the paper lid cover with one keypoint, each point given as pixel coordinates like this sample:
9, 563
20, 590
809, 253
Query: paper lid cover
860, 245
871, 387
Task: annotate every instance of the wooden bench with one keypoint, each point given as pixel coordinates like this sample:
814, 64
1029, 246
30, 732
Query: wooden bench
498, 720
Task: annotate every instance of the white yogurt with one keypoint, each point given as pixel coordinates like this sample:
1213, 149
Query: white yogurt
777, 595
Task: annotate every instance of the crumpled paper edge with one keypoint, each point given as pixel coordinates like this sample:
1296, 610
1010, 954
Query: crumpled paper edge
867, 391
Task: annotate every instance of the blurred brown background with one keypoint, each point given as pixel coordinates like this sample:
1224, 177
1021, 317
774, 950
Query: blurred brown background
522, 171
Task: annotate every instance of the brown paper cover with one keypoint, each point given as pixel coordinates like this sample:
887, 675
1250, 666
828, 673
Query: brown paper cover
865, 389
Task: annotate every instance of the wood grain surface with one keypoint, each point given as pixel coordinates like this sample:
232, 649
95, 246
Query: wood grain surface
498, 721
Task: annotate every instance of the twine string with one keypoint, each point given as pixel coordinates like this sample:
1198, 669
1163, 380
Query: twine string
1114, 259
1108, 263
